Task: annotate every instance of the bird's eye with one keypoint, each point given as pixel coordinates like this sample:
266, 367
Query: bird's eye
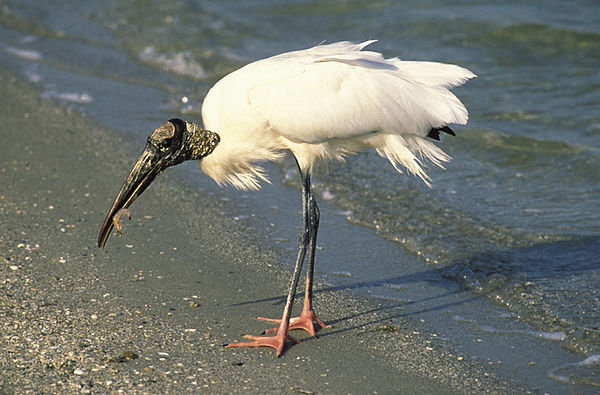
164, 143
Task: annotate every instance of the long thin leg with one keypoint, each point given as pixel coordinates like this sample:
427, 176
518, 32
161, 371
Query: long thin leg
278, 341
308, 317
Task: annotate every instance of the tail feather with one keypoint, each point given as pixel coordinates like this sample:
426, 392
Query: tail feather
434, 133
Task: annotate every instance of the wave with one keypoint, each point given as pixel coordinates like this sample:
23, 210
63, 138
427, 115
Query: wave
182, 63
539, 42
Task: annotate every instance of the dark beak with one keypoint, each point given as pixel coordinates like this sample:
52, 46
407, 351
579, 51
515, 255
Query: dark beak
145, 170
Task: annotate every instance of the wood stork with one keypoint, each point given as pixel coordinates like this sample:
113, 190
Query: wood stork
320, 104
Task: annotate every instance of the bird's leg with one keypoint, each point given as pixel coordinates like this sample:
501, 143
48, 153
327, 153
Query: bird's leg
278, 341
308, 317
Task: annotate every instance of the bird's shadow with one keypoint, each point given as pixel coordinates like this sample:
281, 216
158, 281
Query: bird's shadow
539, 263
396, 308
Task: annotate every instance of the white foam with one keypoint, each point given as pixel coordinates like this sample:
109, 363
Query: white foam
393, 286
29, 39
554, 336
593, 359
344, 213
182, 63
28, 54
69, 96
327, 195
33, 77
341, 274
460, 318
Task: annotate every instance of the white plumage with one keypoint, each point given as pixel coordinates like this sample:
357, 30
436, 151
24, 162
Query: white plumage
326, 102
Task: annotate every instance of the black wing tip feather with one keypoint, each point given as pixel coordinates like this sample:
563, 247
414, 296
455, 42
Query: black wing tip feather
434, 133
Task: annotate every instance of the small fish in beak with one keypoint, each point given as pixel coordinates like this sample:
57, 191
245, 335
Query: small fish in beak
117, 220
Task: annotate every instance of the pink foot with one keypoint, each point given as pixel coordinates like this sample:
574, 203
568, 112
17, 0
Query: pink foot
305, 321
277, 342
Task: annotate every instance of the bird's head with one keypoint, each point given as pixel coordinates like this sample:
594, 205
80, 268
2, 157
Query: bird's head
170, 144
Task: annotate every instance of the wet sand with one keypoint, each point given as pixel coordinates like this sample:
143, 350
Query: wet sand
151, 313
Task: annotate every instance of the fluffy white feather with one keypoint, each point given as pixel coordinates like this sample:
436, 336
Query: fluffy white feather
326, 102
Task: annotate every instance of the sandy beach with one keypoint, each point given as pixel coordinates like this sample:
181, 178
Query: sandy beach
151, 314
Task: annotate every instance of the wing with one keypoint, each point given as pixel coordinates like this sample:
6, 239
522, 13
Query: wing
338, 91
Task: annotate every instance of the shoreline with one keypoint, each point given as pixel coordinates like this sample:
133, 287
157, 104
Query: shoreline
150, 313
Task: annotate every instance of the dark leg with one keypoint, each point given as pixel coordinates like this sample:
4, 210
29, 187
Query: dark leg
308, 317
278, 341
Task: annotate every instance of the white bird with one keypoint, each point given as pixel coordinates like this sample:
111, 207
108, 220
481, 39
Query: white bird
320, 104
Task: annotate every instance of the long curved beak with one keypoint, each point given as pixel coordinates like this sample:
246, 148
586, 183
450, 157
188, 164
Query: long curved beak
145, 170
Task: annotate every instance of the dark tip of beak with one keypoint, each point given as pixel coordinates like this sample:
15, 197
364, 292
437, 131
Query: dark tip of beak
111, 221
145, 170
105, 229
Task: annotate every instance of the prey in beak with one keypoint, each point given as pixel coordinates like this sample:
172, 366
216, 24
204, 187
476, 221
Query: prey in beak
170, 144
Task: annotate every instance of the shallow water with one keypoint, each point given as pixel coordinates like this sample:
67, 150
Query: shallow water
514, 217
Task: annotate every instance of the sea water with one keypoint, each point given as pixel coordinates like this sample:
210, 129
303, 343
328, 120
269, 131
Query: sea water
515, 217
